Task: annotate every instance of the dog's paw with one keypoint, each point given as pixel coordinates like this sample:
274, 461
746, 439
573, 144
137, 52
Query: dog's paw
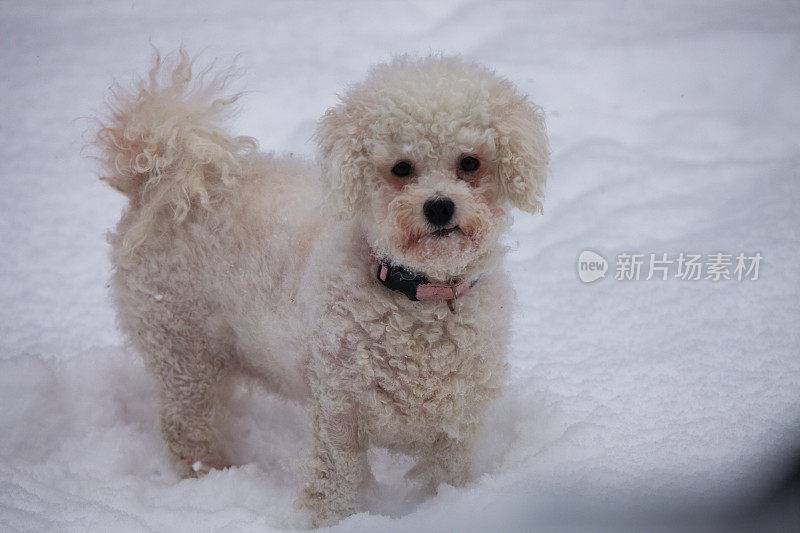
188, 468
324, 507
430, 474
424, 475
316, 508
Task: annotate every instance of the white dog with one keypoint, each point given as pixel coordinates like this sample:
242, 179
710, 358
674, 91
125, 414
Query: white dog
369, 285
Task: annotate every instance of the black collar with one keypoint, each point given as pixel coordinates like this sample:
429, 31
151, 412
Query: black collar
418, 287
397, 278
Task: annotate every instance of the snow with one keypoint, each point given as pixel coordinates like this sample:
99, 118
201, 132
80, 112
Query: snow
673, 128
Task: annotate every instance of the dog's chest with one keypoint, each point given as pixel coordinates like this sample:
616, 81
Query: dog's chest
430, 374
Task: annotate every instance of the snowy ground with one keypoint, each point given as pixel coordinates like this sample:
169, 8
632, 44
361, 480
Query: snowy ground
674, 128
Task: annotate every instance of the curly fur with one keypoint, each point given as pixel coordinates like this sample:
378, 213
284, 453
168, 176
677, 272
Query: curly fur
163, 147
223, 261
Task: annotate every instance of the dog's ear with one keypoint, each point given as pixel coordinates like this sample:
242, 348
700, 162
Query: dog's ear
522, 154
343, 160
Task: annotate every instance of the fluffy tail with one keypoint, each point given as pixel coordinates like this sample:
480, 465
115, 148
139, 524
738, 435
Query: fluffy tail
163, 146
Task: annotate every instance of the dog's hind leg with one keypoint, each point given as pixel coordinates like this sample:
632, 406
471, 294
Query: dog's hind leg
189, 393
188, 364
447, 460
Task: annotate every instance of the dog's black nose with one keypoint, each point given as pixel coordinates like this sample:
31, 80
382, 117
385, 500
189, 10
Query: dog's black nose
439, 211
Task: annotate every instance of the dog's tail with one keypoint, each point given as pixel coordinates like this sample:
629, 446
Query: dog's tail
162, 144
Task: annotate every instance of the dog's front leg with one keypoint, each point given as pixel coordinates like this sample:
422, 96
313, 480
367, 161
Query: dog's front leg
447, 460
339, 468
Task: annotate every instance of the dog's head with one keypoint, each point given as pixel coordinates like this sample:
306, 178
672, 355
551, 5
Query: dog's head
429, 154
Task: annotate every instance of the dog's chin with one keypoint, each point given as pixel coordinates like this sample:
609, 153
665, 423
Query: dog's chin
446, 250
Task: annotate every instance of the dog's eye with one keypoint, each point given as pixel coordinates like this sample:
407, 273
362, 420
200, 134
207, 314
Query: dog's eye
469, 164
402, 169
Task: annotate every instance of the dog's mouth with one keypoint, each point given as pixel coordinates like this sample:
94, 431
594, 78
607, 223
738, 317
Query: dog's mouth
445, 231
